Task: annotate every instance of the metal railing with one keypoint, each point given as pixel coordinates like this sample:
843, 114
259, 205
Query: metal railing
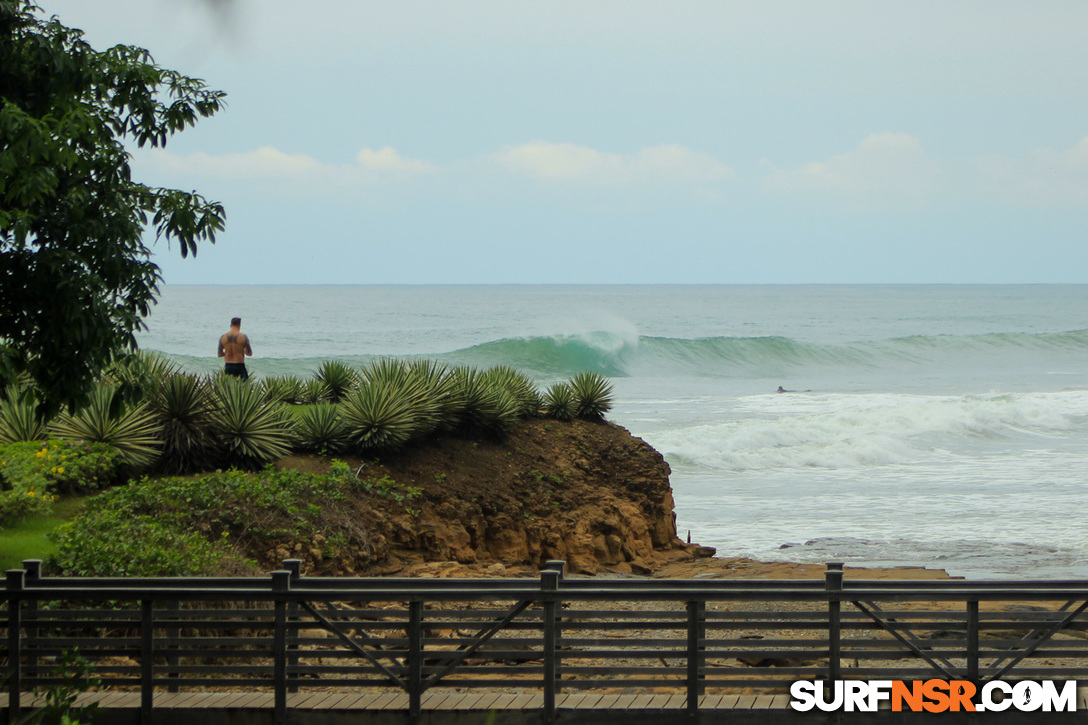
286, 632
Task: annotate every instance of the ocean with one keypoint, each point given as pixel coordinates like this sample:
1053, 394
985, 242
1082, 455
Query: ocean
941, 426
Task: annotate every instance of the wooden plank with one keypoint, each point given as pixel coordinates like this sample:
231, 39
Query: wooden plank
763, 702
641, 702
375, 704
503, 701
745, 702
657, 702
571, 701
304, 700
220, 699
589, 701
468, 702
182, 700
332, 700
780, 702
729, 702
254, 700
676, 702
709, 702
398, 702
520, 702
607, 702
434, 700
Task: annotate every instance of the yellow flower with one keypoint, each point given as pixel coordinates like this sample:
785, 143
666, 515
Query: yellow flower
31, 493
60, 469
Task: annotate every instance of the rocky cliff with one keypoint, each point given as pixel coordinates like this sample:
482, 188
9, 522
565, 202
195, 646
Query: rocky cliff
588, 493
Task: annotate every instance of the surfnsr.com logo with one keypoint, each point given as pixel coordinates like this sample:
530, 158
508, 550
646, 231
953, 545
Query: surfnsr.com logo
934, 696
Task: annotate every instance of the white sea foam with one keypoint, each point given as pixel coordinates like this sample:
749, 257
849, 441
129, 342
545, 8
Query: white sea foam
849, 431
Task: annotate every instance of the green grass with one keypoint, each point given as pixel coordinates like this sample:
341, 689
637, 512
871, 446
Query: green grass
26, 539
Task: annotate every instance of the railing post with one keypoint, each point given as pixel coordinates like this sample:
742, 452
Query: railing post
147, 661
833, 584
281, 584
173, 634
696, 654
295, 567
14, 580
550, 576
33, 569
972, 640
415, 659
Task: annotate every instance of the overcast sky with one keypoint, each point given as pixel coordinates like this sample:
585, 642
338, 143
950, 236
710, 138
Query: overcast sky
625, 141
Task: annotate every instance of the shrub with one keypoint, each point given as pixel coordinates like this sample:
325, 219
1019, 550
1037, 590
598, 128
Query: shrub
282, 389
338, 379
183, 408
31, 474
131, 429
321, 429
559, 402
313, 391
520, 388
19, 418
250, 432
193, 526
137, 375
592, 395
488, 407
413, 383
379, 416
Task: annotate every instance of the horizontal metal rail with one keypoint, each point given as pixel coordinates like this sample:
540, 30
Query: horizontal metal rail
287, 632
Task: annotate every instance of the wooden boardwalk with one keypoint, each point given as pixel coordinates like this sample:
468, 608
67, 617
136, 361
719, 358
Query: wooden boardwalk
438, 708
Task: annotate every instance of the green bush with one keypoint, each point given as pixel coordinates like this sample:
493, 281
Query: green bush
379, 416
488, 407
130, 429
192, 526
183, 408
592, 395
282, 389
559, 402
339, 380
520, 388
321, 429
31, 474
250, 432
19, 418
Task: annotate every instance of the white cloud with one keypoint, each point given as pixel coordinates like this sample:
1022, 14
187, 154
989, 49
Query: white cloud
387, 160
1044, 177
266, 162
671, 164
886, 166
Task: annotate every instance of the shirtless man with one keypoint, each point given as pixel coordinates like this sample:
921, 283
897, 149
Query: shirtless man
234, 346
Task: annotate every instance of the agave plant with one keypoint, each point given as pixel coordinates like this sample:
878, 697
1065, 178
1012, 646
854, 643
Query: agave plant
249, 431
130, 428
559, 402
313, 391
321, 429
19, 418
183, 406
379, 416
592, 395
524, 392
282, 389
338, 378
413, 383
488, 407
138, 375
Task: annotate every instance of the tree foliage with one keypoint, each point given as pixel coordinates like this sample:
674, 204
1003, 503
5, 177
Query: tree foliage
76, 277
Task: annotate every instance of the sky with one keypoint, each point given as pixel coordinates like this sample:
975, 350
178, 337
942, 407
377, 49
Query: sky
625, 141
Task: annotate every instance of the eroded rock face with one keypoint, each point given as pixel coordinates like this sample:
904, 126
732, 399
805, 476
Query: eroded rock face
588, 493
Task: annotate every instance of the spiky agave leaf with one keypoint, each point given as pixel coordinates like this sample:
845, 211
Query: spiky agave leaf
282, 388
250, 432
378, 416
338, 378
19, 418
106, 418
321, 429
488, 407
524, 392
592, 395
138, 375
183, 406
559, 402
313, 391
412, 383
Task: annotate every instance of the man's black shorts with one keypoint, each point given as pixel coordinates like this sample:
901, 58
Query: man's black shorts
238, 370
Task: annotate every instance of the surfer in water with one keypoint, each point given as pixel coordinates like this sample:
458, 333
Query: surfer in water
783, 390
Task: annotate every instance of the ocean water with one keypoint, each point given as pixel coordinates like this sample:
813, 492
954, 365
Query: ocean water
938, 426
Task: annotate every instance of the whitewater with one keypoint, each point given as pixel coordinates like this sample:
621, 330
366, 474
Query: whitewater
938, 426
